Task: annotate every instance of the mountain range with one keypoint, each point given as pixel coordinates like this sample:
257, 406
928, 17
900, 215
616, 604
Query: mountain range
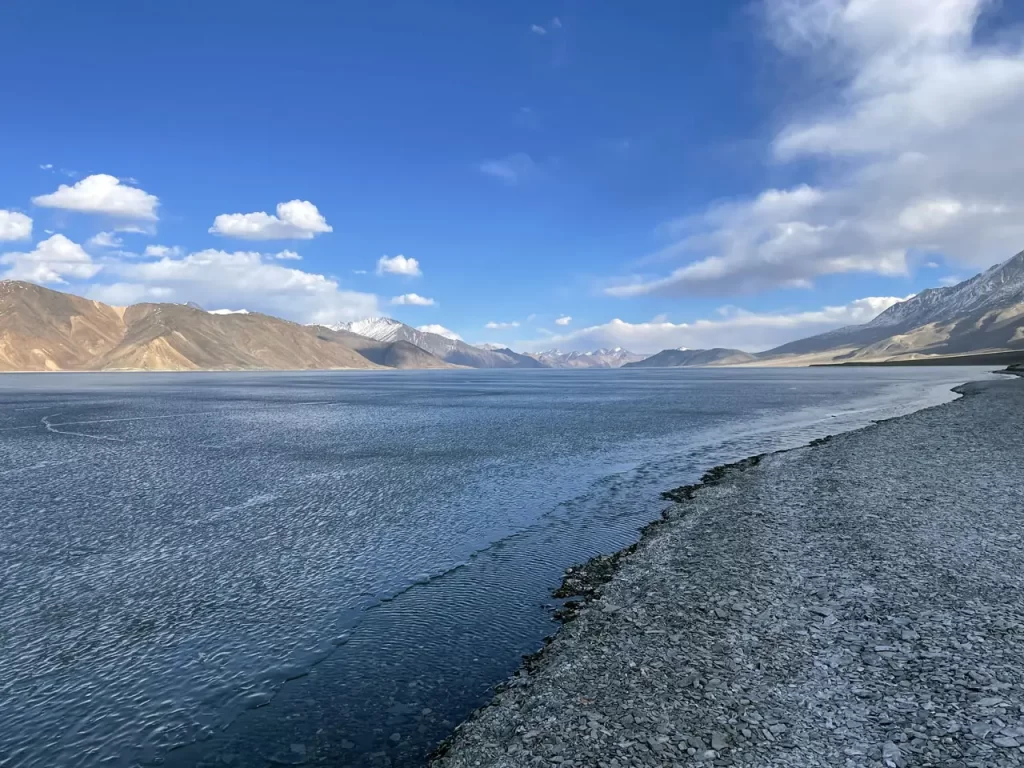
453, 351
983, 314
45, 330
599, 358
691, 358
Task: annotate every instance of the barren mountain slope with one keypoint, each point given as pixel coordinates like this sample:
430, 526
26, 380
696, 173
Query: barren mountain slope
984, 313
178, 337
44, 330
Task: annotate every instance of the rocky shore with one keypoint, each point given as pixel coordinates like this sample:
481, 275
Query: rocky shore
859, 602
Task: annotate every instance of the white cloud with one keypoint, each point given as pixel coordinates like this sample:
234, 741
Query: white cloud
160, 251
553, 26
46, 166
52, 260
563, 320
398, 265
14, 225
295, 220
440, 330
733, 328
287, 256
950, 280
501, 326
414, 299
135, 229
360, 272
915, 149
101, 193
510, 170
105, 240
220, 278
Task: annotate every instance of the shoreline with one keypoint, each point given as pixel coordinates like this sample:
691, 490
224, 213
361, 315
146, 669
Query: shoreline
583, 586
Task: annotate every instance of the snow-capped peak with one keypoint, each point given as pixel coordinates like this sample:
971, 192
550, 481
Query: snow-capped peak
999, 286
229, 311
379, 328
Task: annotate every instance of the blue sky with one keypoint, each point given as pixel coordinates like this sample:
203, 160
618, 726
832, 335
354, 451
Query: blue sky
728, 173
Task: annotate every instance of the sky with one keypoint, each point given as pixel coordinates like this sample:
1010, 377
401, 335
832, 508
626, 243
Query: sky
541, 174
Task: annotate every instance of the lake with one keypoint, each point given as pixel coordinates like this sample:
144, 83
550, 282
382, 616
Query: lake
299, 568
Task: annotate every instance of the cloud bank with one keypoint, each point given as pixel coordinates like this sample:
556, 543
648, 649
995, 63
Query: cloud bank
918, 151
734, 328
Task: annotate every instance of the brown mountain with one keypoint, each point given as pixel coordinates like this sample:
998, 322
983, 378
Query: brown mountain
45, 330
982, 315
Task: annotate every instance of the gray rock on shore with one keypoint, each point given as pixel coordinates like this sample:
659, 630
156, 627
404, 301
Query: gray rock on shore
856, 603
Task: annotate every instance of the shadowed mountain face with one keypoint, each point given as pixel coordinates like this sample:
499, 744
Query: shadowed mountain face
683, 358
452, 351
44, 330
983, 314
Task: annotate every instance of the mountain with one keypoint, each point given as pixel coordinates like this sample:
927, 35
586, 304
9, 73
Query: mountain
391, 354
983, 314
451, 351
45, 330
692, 358
599, 358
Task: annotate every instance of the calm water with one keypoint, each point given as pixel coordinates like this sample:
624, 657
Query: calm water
267, 569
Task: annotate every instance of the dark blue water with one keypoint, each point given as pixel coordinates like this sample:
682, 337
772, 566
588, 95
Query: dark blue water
276, 568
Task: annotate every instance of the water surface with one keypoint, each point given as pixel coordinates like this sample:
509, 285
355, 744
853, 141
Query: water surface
278, 568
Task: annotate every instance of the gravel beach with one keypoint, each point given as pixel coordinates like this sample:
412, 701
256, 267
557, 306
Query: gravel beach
859, 602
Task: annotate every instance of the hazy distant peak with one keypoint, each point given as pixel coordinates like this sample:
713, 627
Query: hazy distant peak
614, 357
693, 358
449, 349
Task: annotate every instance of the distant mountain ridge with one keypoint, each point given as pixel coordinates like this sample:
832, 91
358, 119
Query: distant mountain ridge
46, 330
984, 313
599, 358
452, 351
694, 358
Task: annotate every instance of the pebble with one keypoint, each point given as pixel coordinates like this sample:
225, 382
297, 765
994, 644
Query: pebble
858, 604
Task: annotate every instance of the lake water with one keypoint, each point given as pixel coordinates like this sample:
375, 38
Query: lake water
335, 568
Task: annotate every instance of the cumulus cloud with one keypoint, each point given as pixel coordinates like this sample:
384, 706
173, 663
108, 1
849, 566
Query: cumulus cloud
493, 326
241, 278
563, 320
510, 170
734, 328
105, 194
916, 151
105, 240
398, 265
14, 225
440, 330
413, 299
51, 261
295, 220
287, 256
